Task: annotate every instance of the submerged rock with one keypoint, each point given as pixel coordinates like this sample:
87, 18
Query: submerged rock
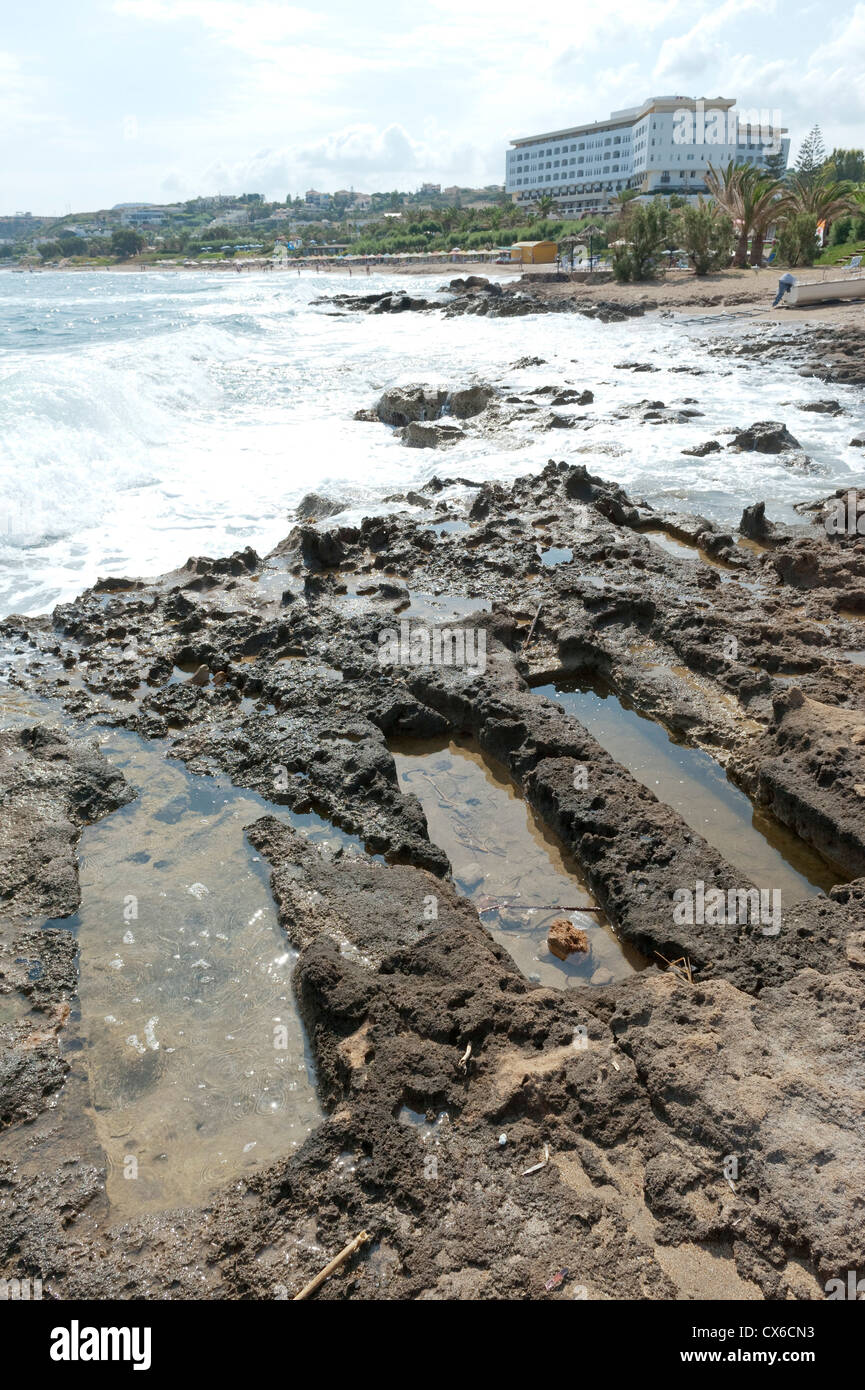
564, 938
711, 446
435, 436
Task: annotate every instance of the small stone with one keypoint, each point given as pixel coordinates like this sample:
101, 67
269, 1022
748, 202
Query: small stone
564, 938
602, 976
855, 948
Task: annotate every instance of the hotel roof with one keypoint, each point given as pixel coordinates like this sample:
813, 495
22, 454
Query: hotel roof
617, 119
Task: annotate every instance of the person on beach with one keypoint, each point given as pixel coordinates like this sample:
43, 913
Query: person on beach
785, 284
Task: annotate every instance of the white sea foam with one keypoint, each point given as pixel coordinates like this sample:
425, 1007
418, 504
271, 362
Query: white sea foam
144, 419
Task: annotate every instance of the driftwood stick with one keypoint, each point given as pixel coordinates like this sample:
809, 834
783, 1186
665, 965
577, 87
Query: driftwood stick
536, 907
532, 628
335, 1263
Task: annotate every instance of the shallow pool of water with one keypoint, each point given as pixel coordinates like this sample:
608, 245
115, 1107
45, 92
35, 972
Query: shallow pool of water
696, 786
515, 871
197, 1062
188, 1055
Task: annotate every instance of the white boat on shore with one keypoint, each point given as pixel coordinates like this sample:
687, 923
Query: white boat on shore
816, 291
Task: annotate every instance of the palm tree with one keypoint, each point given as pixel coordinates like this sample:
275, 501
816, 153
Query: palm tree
750, 199
762, 202
822, 196
544, 204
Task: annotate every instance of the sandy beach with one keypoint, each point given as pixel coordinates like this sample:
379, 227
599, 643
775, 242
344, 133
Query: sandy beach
719, 293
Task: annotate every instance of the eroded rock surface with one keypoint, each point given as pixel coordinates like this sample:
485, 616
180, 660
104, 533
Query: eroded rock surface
488, 1131
49, 789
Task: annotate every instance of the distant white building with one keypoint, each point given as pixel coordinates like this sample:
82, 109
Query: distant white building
236, 217
143, 215
663, 146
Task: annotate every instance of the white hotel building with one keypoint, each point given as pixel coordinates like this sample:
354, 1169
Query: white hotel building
663, 146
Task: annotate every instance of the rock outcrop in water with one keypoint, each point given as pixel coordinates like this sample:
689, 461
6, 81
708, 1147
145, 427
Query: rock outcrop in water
485, 1130
489, 298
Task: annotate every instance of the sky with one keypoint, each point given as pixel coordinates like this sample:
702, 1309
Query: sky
111, 101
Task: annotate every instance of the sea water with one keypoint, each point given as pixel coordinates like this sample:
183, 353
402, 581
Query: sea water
149, 416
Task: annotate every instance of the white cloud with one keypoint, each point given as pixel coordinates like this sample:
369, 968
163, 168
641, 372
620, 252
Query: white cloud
245, 25
701, 51
23, 96
256, 94
357, 154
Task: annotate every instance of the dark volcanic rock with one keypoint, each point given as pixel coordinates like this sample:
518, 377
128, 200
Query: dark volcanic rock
436, 436
447, 1075
711, 446
766, 437
314, 507
831, 407
49, 789
754, 524
401, 404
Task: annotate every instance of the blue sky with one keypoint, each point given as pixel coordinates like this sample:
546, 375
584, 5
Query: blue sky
113, 101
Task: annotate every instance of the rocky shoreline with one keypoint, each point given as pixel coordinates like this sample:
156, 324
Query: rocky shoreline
487, 1131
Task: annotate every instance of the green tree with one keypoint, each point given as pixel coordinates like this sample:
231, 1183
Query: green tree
71, 245
812, 154
776, 166
544, 204
220, 233
707, 235
797, 239
823, 196
126, 242
750, 200
848, 165
820, 199
646, 228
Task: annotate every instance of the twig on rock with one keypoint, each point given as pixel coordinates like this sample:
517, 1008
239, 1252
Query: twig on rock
335, 1263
